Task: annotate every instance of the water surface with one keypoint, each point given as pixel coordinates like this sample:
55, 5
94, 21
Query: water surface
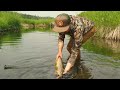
34, 54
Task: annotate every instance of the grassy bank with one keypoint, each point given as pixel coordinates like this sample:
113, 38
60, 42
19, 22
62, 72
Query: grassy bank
10, 21
107, 23
39, 21
35, 24
36, 21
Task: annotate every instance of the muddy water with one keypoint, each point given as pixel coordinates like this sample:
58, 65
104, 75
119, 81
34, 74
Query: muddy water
33, 53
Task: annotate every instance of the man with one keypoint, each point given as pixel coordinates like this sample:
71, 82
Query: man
80, 29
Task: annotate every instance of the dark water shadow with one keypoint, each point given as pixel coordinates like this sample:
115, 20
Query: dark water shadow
81, 71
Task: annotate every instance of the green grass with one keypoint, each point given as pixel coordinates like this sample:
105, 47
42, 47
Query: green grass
34, 21
10, 21
105, 21
103, 18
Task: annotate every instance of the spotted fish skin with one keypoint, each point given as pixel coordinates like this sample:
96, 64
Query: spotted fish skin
59, 67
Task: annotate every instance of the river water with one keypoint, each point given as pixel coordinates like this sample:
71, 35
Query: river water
33, 53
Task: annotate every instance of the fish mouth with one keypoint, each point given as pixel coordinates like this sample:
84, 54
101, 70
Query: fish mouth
57, 75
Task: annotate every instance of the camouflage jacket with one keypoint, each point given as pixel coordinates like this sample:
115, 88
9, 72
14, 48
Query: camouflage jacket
78, 27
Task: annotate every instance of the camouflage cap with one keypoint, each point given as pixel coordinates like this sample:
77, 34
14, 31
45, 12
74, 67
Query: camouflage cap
62, 23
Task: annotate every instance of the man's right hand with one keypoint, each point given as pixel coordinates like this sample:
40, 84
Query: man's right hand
59, 55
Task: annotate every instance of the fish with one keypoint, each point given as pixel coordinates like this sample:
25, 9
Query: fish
59, 67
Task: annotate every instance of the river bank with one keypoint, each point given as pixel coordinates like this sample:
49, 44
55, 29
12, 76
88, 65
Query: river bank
107, 23
12, 21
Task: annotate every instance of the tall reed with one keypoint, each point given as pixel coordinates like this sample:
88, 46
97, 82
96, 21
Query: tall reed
106, 22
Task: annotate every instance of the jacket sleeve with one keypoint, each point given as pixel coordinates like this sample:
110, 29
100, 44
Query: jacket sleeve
61, 37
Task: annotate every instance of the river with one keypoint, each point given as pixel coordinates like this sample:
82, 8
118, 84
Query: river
33, 53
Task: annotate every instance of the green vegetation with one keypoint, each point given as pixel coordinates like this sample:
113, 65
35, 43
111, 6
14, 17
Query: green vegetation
10, 21
34, 21
105, 21
29, 19
103, 18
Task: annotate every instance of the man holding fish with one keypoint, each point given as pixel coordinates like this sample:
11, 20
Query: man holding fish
80, 30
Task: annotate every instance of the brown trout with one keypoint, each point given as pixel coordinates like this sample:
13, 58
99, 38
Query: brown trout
59, 67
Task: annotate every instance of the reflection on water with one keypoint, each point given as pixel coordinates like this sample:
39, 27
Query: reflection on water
0, 43
33, 53
11, 38
104, 47
113, 45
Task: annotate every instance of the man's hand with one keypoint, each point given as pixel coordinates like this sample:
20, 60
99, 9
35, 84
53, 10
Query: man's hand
59, 55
